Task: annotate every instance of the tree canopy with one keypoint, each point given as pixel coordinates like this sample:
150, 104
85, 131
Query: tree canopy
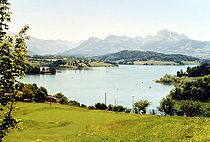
141, 106
12, 62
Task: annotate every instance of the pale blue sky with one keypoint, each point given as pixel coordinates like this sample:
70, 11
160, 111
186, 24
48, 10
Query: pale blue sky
75, 20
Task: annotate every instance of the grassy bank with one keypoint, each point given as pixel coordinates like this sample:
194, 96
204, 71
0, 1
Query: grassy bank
101, 64
45, 123
152, 62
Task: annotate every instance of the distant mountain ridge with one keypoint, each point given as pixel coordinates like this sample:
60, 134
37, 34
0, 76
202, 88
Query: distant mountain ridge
164, 41
47, 47
127, 55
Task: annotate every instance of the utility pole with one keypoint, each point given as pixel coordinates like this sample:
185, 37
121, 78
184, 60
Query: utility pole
133, 103
105, 98
132, 100
117, 96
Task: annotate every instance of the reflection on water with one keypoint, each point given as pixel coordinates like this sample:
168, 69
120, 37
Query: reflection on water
120, 84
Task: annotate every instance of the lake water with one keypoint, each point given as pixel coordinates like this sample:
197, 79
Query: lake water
120, 84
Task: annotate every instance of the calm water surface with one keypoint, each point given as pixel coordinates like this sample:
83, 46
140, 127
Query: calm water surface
120, 84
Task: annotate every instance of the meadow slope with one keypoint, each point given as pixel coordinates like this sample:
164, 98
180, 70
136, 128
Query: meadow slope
62, 123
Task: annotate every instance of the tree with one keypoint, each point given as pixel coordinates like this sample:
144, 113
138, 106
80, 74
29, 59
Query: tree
64, 100
191, 108
29, 91
59, 95
12, 63
74, 103
100, 106
197, 89
167, 106
110, 107
118, 108
27, 94
141, 106
32, 69
44, 90
41, 95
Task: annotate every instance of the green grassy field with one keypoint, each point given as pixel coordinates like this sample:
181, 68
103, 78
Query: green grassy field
60, 123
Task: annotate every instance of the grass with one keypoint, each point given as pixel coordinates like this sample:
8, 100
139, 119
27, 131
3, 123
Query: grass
61, 123
100, 64
152, 62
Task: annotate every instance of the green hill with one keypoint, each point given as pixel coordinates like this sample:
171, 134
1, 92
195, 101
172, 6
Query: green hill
127, 55
62, 123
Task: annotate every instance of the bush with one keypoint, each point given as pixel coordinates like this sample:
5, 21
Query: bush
110, 107
27, 94
84, 106
41, 95
198, 89
118, 108
32, 69
59, 95
64, 100
141, 106
207, 114
128, 110
91, 107
74, 103
191, 108
167, 106
100, 106
168, 79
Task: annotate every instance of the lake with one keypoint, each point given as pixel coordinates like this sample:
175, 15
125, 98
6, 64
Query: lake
123, 85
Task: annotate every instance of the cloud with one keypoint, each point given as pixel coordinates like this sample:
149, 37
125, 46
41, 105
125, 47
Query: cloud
169, 25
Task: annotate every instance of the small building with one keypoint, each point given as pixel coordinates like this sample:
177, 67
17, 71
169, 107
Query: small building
52, 99
47, 70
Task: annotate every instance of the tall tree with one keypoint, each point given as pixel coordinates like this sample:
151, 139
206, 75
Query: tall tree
167, 106
12, 67
141, 106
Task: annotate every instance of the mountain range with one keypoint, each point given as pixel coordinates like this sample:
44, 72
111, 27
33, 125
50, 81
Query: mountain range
164, 42
38, 46
49, 47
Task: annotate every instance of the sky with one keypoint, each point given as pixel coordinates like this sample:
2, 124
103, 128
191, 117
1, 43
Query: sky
75, 20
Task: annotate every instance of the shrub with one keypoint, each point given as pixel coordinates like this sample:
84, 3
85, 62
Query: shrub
91, 107
127, 110
167, 79
110, 107
84, 106
27, 94
74, 103
59, 95
141, 106
167, 106
119, 108
41, 95
191, 108
64, 100
100, 106
198, 89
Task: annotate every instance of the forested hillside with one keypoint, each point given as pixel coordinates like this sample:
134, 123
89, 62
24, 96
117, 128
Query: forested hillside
144, 56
